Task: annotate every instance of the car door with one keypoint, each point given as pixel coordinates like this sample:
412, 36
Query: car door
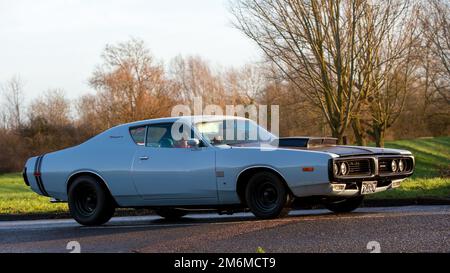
166, 172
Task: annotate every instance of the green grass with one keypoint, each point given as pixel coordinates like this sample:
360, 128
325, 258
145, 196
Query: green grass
432, 158
418, 188
432, 155
17, 198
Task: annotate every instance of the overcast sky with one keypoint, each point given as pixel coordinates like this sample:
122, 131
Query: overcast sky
57, 43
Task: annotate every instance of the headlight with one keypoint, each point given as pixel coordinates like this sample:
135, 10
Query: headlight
344, 168
394, 166
401, 165
335, 169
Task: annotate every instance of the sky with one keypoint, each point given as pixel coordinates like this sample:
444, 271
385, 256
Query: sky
58, 43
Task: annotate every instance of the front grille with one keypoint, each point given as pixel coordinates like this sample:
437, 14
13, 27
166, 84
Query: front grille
384, 165
379, 168
359, 167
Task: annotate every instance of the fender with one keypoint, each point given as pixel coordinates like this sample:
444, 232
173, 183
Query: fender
87, 171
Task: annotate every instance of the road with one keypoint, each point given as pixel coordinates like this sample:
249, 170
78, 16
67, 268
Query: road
393, 229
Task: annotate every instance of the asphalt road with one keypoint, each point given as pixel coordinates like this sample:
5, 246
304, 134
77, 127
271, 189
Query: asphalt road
391, 229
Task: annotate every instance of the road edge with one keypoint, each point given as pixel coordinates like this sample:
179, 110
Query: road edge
143, 212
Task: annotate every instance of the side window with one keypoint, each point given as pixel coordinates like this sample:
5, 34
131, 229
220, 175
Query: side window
160, 136
138, 135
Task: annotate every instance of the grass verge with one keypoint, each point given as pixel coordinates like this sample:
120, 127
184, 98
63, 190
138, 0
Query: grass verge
430, 179
17, 198
418, 188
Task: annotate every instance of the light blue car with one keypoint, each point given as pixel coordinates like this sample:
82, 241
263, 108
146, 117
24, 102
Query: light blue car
225, 163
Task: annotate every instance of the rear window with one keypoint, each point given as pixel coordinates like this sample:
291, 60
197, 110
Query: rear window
138, 135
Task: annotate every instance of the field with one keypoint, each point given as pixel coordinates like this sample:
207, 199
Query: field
16, 198
431, 180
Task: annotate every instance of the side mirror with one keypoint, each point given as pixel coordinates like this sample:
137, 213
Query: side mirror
193, 142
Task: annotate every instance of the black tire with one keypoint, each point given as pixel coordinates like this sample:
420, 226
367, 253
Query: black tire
90, 203
171, 213
345, 205
267, 196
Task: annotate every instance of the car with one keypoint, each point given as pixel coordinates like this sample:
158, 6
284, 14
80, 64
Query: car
223, 163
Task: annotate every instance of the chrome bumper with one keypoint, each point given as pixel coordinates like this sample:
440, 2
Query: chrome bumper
338, 189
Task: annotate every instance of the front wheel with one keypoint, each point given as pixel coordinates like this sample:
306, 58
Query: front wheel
90, 203
345, 205
267, 196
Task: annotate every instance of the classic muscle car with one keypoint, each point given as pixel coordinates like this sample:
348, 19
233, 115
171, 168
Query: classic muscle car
222, 163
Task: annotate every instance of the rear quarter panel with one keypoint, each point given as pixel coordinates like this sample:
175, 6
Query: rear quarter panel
109, 155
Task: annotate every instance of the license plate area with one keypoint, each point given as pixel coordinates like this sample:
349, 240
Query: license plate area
368, 187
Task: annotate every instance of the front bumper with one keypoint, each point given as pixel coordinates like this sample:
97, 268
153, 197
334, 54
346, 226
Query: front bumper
349, 189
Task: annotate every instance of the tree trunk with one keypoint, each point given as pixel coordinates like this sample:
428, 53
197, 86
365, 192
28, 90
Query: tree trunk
358, 131
335, 133
378, 134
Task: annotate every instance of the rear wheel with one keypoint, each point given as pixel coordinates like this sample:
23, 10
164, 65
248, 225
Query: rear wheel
90, 203
267, 196
345, 205
170, 213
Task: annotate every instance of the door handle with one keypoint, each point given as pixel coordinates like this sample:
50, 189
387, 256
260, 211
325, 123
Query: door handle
143, 158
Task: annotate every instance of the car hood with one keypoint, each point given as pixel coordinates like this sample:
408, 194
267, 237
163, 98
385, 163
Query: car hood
359, 150
340, 150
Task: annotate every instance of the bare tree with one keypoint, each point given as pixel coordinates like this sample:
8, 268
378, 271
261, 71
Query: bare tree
305, 39
13, 95
88, 118
244, 85
131, 85
52, 107
436, 24
321, 46
435, 67
195, 78
391, 66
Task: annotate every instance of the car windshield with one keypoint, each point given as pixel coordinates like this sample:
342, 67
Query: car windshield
233, 132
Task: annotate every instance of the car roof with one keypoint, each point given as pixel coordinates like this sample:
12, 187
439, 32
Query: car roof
187, 119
